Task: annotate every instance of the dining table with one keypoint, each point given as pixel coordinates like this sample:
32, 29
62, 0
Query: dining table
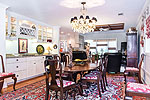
77, 70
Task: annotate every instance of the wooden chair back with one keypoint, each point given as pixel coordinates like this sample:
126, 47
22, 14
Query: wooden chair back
2, 61
140, 66
105, 63
65, 59
51, 66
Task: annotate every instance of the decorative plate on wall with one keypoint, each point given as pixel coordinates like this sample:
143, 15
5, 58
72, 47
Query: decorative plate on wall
55, 46
40, 49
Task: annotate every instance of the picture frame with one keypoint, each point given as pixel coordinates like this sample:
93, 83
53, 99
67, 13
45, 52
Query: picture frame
22, 45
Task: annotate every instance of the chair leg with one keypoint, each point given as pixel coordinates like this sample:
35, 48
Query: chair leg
99, 89
15, 80
1, 85
47, 94
61, 95
106, 80
139, 78
104, 84
125, 76
56, 95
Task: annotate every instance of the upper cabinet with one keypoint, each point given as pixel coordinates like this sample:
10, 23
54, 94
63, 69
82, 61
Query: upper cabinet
18, 27
49, 34
27, 28
11, 27
44, 34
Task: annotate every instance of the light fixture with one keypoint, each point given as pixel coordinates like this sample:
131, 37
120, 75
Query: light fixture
84, 24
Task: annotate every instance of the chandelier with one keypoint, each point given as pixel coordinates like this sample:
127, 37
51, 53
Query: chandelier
84, 24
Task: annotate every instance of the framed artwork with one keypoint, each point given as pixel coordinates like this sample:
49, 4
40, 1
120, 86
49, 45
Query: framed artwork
23, 45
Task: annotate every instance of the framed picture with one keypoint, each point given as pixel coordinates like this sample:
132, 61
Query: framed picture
23, 45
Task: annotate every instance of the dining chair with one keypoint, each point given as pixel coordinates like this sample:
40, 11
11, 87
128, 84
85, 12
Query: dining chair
134, 70
5, 75
57, 84
97, 77
104, 64
65, 62
137, 89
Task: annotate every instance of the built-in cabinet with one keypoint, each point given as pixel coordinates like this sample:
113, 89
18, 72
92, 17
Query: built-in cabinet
25, 67
44, 34
11, 27
19, 27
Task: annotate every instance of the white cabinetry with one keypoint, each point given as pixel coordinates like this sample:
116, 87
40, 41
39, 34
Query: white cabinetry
40, 62
35, 66
25, 67
44, 34
17, 66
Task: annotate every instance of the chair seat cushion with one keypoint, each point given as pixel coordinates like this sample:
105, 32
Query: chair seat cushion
90, 76
5, 74
94, 72
131, 69
137, 87
62, 75
65, 83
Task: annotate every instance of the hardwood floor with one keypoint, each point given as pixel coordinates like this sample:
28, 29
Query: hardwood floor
22, 84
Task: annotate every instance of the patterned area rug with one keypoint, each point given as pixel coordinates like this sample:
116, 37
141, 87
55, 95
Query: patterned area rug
36, 91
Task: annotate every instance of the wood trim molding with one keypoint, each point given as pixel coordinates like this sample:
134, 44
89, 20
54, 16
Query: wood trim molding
92, 47
112, 48
102, 44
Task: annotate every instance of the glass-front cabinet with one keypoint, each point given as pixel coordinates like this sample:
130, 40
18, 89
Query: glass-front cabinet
19, 27
44, 34
49, 34
6, 26
40, 33
11, 27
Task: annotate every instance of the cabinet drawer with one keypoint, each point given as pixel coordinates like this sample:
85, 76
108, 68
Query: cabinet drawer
21, 74
15, 60
15, 67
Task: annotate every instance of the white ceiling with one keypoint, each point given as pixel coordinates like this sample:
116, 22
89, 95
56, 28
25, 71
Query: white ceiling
51, 12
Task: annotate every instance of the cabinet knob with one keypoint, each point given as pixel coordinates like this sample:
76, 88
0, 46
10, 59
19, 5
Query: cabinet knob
16, 66
17, 75
16, 59
34, 63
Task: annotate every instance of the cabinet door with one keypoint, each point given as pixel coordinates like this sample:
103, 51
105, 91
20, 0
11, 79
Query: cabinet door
31, 68
40, 66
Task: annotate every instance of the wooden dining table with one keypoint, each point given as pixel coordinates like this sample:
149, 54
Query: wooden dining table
78, 69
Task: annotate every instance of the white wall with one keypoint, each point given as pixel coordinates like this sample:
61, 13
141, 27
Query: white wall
119, 35
146, 49
12, 46
2, 33
2, 36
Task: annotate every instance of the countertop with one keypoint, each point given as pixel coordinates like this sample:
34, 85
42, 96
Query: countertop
27, 55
